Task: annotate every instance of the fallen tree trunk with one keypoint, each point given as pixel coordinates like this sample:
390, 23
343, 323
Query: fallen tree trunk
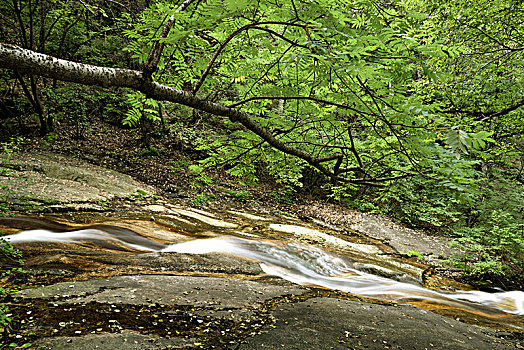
31, 62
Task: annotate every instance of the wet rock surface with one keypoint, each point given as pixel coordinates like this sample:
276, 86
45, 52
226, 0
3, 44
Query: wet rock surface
229, 294
43, 181
171, 312
87, 296
102, 295
402, 239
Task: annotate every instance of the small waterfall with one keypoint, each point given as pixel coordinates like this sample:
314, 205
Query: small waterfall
297, 263
308, 265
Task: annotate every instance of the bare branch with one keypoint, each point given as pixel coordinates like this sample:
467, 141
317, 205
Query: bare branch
123, 6
253, 25
482, 116
351, 168
87, 7
308, 98
158, 45
383, 179
280, 36
328, 158
504, 111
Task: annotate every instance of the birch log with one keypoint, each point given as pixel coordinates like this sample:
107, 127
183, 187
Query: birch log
27, 61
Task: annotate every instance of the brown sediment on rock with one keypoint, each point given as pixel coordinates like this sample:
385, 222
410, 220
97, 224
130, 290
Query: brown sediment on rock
202, 279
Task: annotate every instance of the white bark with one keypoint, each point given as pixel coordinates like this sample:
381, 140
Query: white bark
27, 61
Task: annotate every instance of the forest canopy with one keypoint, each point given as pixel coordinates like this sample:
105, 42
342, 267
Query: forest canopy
411, 108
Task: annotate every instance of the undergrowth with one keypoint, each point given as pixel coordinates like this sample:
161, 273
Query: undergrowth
8, 254
487, 224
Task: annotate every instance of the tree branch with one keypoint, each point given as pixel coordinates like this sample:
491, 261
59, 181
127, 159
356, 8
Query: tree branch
27, 61
158, 45
253, 25
328, 158
504, 111
23, 60
308, 98
482, 116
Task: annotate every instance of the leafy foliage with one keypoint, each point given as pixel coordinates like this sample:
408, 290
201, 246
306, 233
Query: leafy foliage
482, 92
7, 252
334, 80
141, 108
7, 149
493, 247
349, 94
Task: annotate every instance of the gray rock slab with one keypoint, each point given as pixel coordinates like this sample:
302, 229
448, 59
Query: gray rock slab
192, 291
53, 178
403, 239
211, 298
326, 323
126, 340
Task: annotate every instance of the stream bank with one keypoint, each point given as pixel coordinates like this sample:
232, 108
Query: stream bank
100, 296
45, 182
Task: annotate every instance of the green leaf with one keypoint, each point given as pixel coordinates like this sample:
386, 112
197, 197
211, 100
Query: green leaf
236, 5
458, 140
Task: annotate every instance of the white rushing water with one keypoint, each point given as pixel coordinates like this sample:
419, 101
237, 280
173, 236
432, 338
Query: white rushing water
301, 264
309, 265
77, 236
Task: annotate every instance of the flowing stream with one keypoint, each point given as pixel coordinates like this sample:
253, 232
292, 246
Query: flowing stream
298, 263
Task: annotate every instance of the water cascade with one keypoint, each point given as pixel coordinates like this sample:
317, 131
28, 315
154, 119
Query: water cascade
297, 263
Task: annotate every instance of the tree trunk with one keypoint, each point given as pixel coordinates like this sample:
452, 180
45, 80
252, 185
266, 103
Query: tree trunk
39, 108
23, 60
